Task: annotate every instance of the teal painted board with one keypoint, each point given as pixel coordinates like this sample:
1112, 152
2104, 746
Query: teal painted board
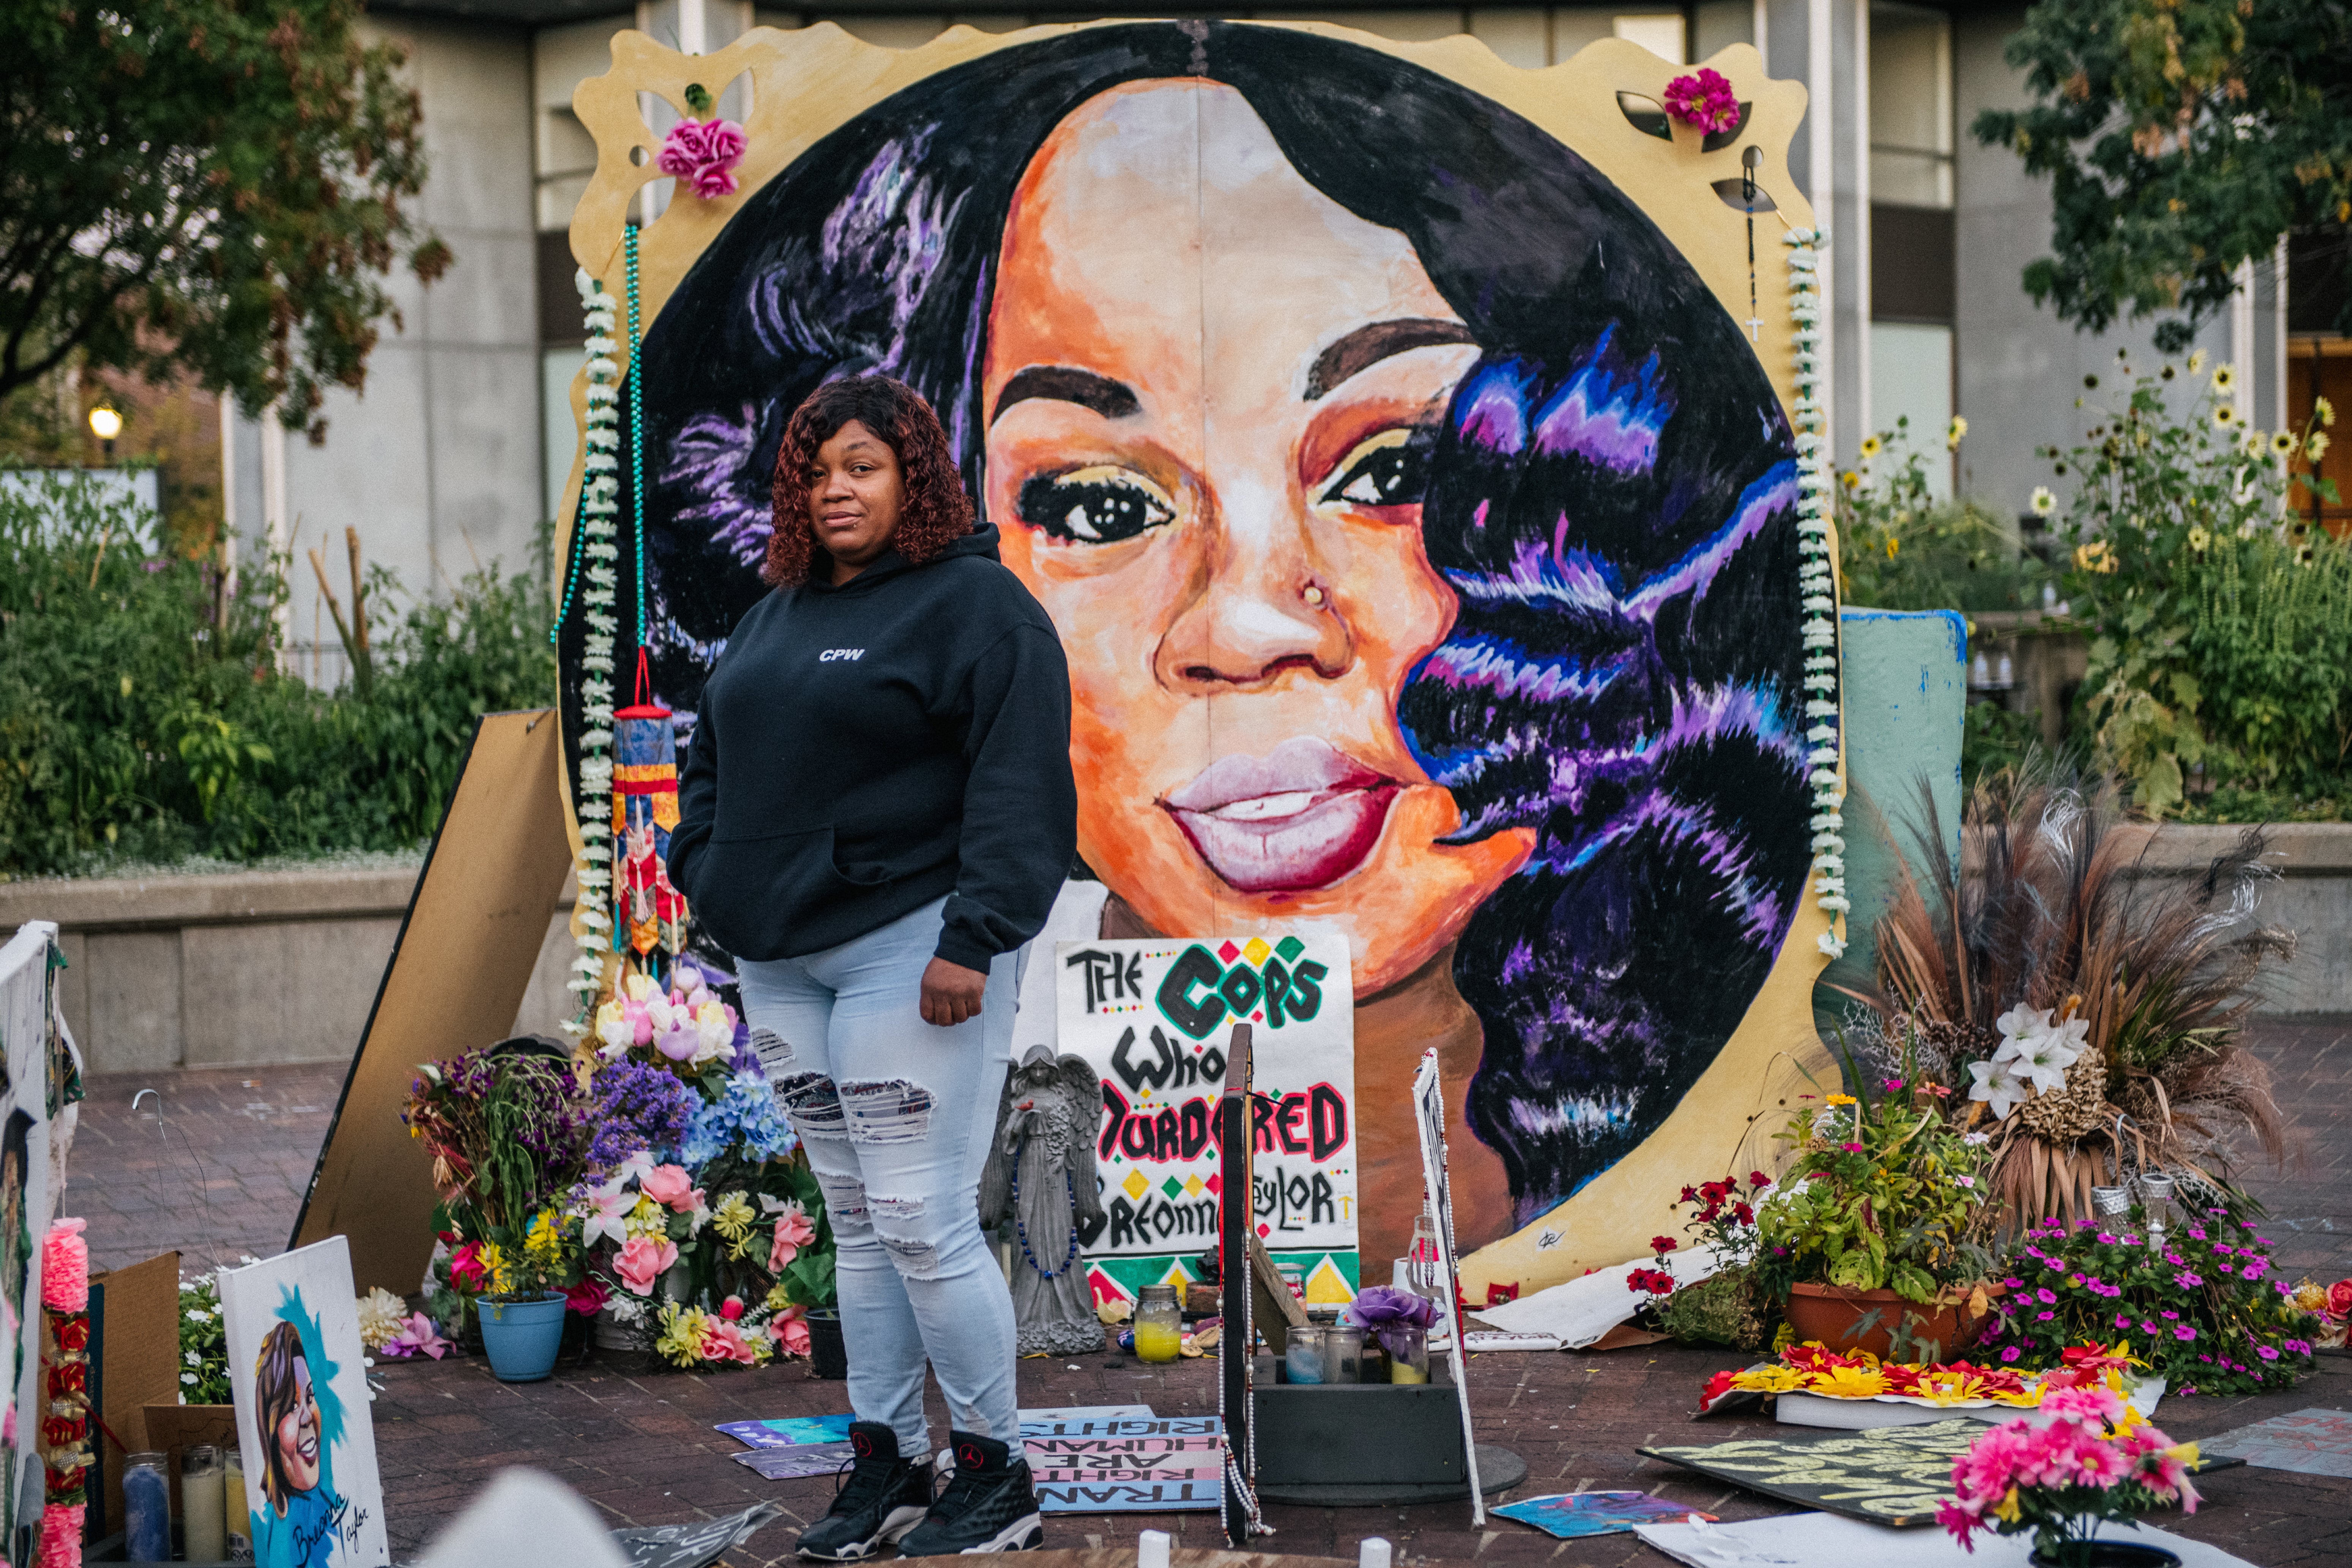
1904, 681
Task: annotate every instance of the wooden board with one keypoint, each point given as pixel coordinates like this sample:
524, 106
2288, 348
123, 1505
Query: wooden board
456, 977
137, 1335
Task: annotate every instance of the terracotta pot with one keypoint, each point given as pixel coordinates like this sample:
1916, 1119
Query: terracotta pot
1831, 1314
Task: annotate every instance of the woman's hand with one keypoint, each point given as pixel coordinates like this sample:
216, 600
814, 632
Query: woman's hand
951, 993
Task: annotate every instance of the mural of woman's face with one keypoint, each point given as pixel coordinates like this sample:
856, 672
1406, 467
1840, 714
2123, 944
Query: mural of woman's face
296, 1433
1212, 391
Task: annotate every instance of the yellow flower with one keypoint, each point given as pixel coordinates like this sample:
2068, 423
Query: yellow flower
733, 1215
777, 1298
2325, 410
1956, 432
2043, 502
680, 1342
2198, 539
2224, 415
544, 1239
1768, 1380
645, 1217
1870, 447
2317, 445
1950, 1388
2006, 1510
2225, 376
1839, 1099
501, 1272
1892, 546
1850, 480
2094, 557
1848, 1383
2197, 361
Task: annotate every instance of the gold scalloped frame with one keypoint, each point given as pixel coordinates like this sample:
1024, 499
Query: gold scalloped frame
808, 83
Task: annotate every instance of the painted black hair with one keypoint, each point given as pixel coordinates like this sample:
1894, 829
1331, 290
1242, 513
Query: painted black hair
1611, 502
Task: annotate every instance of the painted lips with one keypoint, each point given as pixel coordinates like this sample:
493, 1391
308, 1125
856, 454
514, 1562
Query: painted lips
1304, 815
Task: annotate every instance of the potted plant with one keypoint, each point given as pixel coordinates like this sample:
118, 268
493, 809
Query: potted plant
510, 1135
2090, 1460
1875, 1237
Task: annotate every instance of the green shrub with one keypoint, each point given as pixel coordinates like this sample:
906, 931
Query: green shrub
143, 716
1901, 549
2223, 621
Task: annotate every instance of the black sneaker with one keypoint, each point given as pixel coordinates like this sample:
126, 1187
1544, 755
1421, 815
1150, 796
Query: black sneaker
884, 1498
989, 1504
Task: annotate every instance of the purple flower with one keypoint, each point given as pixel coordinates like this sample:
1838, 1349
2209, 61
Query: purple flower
2197, 1232
2045, 1298
2043, 1316
2184, 1333
2266, 1352
637, 1106
2013, 1284
2251, 1271
2123, 1320
2188, 1280
2011, 1353
1850, 1147
2130, 1240
2105, 1240
2300, 1347
2170, 1317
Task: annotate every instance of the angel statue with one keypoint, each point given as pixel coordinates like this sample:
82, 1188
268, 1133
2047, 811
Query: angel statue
1041, 1172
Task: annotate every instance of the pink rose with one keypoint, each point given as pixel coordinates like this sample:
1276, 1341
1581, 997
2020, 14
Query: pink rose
643, 1260
791, 1331
671, 1186
465, 1270
794, 1230
703, 154
722, 1340
2339, 1300
731, 1309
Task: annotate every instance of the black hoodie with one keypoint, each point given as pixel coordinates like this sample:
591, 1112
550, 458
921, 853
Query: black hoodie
863, 749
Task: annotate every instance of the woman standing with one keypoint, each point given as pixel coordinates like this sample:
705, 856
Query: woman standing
875, 815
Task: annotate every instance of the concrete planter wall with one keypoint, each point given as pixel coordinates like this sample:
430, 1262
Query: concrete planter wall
238, 969
2313, 899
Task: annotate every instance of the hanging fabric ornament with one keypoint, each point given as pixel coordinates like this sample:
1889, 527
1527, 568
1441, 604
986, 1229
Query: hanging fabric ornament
645, 906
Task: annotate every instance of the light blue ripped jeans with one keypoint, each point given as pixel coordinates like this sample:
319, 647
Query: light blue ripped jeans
897, 1115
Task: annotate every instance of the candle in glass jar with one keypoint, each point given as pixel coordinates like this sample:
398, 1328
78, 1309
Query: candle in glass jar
237, 1519
1303, 1356
146, 1510
202, 1505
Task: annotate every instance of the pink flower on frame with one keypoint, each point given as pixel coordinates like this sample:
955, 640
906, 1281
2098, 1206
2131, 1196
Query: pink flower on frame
703, 153
1705, 100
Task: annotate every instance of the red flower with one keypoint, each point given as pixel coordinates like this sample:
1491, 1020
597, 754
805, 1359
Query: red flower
1744, 1215
2339, 1298
1661, 1245
1758, 1179
1717, 1387
588, 1297
1689, 1196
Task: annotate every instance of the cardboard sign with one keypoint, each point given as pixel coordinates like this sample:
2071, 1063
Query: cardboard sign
1151, 1017
302, 1423
1154, 1464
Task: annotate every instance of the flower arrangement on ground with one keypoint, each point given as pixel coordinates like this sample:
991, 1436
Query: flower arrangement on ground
2205, 1311
510, 1135
684, 1023
1730, 1305
1814, 1368
1884, 1194
2090, 1019
2092, 1460
2331, 1307
204, 1342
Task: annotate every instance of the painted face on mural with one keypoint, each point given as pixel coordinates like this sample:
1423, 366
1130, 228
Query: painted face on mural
1215, 493
296, 1433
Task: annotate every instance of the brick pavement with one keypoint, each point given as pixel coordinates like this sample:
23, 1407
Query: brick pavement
225, 1173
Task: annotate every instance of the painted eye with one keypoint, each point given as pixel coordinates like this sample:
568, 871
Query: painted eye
1095, 506
1389, 469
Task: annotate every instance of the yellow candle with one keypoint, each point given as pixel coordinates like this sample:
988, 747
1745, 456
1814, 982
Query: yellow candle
1158, 1342
1402, 1371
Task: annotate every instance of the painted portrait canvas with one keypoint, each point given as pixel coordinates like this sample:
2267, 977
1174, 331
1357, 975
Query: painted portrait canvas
298, 1380
1417, 515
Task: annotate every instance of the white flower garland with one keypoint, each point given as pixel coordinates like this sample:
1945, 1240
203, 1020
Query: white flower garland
1817, 578
600, 506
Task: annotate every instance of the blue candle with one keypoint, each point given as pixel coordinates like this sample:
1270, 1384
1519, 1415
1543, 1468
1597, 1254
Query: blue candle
1303, 1356
147, 1510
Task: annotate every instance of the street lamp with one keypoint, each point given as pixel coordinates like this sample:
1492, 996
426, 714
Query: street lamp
106, 425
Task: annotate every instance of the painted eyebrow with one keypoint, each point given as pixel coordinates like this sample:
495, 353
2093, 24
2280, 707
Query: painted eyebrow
1064, 383
1368, 345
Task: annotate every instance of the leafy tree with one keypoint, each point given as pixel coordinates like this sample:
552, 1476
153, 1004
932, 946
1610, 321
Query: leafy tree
210, 186
2181, 137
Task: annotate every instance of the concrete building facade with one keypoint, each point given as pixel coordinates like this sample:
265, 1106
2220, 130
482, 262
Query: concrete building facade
457, 449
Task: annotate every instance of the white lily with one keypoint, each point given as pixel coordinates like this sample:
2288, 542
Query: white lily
714, 1030
2018, 1026
1998, 1087
607, 1214
2043, 1060
613, 1029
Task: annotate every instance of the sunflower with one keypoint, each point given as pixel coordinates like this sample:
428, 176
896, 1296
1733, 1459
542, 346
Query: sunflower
2225, 376
2317, 445
2283, 442
1870, 447
1956, 432
2197, 361
2224, 415
2043, 502
2198, 539
2094, 557
1892, 546
2324, 410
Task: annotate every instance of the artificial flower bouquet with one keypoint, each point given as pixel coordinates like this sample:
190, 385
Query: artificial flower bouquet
1882, 1194
1814, 1368
2091, 1459
2331, 1307
713, 1282
2205, 1313
684, 1023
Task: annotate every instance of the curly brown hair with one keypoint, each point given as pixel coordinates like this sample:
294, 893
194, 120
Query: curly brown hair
938, 511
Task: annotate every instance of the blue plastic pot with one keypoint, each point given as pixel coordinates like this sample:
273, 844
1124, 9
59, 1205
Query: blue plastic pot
522, 1337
